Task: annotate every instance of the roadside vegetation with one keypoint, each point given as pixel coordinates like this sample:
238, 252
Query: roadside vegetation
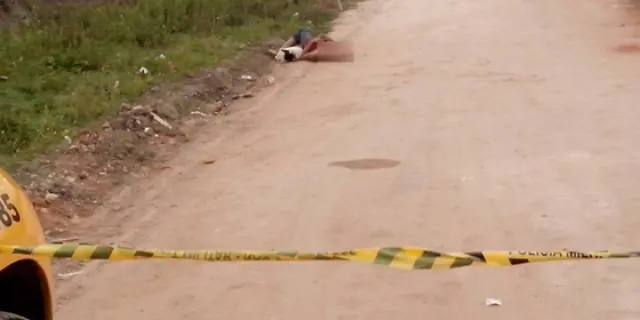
66, 66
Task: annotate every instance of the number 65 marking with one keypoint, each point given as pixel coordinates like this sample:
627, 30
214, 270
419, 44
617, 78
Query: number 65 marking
8, 212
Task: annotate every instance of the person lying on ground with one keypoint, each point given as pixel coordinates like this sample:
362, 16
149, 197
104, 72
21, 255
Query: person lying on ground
299, 39
293, 48
320, 48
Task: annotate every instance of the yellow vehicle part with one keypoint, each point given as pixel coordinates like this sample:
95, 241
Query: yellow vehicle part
26, 283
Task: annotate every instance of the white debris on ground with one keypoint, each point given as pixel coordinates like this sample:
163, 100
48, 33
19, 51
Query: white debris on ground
490, 302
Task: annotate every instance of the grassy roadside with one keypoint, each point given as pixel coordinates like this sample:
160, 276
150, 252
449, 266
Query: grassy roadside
69, 66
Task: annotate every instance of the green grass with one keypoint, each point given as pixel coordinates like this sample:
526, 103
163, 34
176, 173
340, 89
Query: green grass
68, 66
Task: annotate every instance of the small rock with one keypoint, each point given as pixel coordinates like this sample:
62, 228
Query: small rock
49, 197
490, 302
139, 109
57, 188
4, 78
106, 125
270, 80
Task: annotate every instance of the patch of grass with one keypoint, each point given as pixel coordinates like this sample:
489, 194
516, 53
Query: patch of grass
69, 65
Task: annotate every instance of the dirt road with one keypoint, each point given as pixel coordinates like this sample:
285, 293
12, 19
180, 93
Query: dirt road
513, 124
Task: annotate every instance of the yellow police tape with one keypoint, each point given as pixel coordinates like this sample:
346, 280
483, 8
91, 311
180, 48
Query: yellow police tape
395, 257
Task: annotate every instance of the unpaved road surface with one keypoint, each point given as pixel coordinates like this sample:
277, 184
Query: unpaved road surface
514, 127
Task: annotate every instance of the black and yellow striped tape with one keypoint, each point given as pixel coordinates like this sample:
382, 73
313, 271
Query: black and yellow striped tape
395, 257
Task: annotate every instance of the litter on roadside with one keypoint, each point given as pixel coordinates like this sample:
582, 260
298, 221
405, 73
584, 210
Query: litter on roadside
161, 121
490, 302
